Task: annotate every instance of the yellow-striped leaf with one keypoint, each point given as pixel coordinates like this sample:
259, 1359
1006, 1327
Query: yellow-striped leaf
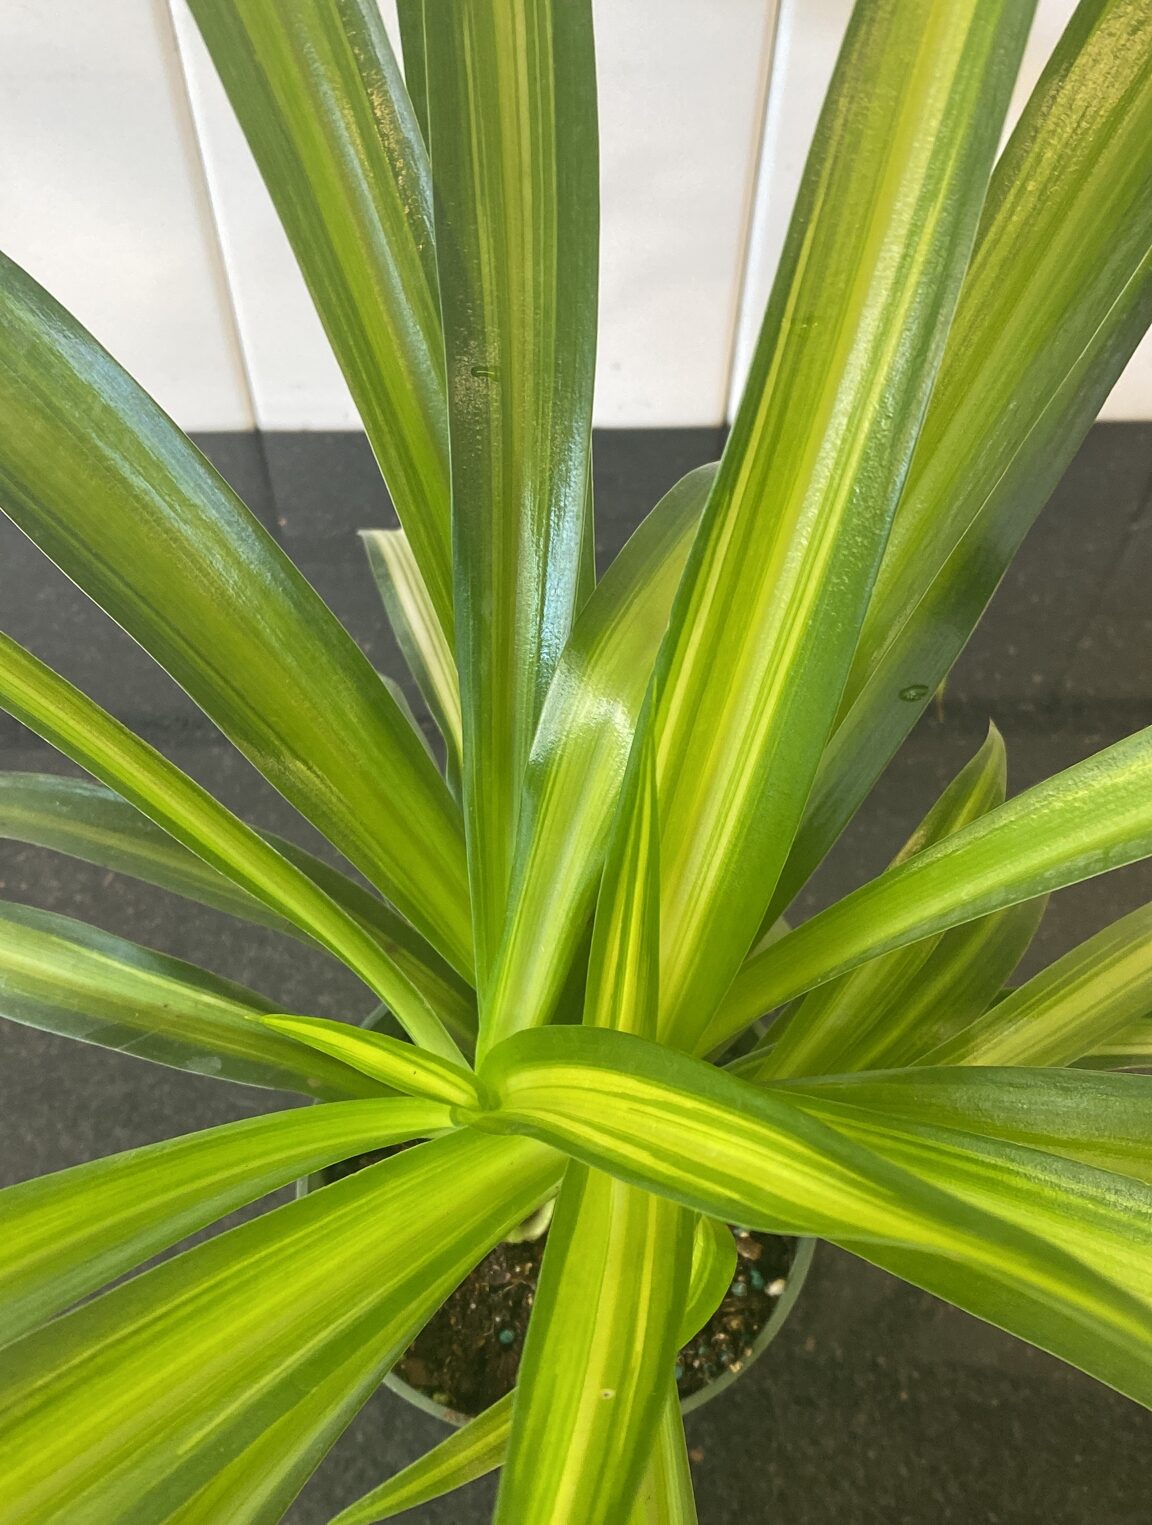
1130, 1049
766, 621
122, 501
129, 1406
579, 757
666, 1496
391, 1061
471, 1452
1090, 818
1100, 1120
713, 1270
960, 980
623, 988
750, 1154
89, 822
1084, 999
598, 1355
410, 16
512, 118
258, 1485
417, 630
68, 1233
479, 1446
83, 731
318, 93
1058, 295
616, 1270
63, 976
834, 1027
1104, 1218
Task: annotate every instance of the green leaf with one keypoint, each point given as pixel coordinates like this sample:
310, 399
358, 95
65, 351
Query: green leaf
318, 93
449, 995
471, 1452
258, 1485
89, 822
1062, 1323
127, 1407
979, 787
391, 1061
579, 757
66, 1234
1105, 1217
961, 978
598, 1355
959, 981
1057, 297
63, 976
1082, 1000
586, 577
1072, 177
842, 372
616, 1269
671, 1124
479, 1446
417, 630
713, 1271
91, 737
122, 501
404, 705
1101, 1120
668, 1123
624, 964
410, 15
1090, 818
835, 1027
665, 1496
512, 110
1129, 1049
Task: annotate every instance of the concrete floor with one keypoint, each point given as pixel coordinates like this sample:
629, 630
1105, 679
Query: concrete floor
877, 1403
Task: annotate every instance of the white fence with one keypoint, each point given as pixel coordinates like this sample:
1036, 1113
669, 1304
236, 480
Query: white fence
127, 189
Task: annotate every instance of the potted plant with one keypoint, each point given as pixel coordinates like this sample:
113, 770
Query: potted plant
579, 926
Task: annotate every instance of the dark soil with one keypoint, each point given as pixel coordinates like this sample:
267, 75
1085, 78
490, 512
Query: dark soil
725, 1343
468, 1354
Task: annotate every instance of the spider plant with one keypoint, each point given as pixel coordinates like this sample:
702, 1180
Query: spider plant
579, 920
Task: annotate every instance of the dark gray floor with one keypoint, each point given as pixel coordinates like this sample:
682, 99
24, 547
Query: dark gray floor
877, 1403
